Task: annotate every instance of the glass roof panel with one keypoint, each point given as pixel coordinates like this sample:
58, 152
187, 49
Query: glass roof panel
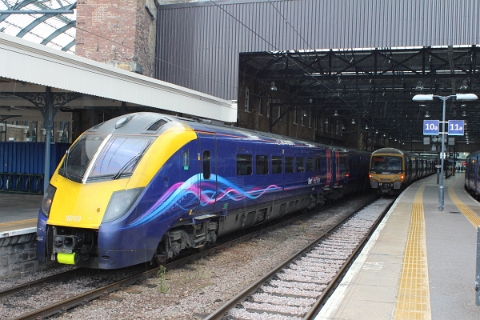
17, 18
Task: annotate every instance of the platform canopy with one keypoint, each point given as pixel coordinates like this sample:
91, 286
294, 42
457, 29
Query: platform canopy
48, 22
27, 67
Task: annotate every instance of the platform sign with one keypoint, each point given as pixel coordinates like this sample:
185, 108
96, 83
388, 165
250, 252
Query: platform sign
431, 127
456, 127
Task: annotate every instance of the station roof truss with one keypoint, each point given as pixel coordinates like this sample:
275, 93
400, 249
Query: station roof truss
373, 87
47, 22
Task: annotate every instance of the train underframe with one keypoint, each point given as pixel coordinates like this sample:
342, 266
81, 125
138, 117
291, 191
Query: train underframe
80, 247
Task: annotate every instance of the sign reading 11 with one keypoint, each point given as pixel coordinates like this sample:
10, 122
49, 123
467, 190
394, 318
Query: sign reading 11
456, 127
432, 127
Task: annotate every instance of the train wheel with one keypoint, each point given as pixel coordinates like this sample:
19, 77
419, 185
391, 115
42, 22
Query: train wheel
161, 256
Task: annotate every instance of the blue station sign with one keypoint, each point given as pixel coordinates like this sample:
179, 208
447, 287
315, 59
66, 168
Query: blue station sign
431, 127
456, 127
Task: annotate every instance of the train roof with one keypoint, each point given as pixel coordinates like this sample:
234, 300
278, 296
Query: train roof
156, 123
388, 150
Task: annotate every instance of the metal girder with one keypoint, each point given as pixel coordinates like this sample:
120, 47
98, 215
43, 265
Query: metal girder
59, 31
42, 9
376, 85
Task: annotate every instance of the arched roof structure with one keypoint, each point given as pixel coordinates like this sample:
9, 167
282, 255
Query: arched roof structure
48, 22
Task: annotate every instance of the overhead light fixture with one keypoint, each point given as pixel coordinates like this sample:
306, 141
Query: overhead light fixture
464, 113
366, 127
419, 86
272, 86
464, 85
335, 114
427, 115
353, 121
326, 121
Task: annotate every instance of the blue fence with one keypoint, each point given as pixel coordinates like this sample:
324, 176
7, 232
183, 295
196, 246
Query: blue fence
22, 165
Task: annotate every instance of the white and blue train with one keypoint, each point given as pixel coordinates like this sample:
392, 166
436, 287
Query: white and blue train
145, 186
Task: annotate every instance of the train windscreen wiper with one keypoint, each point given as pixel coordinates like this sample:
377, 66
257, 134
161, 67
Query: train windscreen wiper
131, 163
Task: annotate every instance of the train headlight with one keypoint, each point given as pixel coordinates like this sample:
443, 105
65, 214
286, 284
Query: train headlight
47, 200
120, 203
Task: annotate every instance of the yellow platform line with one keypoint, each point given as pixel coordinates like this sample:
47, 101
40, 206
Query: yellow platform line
16, 223
469, 214
413, 297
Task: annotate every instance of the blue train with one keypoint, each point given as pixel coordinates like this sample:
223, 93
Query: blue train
472, 174
144, 186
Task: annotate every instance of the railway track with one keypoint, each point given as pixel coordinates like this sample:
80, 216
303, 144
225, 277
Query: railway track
298, 287
59, 306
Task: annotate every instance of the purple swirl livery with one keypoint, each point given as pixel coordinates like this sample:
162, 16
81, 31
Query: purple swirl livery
184, 195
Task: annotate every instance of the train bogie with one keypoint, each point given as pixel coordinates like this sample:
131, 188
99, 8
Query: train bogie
146, 186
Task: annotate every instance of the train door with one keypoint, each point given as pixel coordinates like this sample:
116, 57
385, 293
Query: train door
409, 170
207, 181
329, 169
476, 173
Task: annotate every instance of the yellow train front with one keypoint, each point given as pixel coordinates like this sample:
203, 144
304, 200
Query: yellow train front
392, 170
388, 171
95, 211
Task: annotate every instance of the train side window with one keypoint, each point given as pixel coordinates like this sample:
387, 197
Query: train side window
318, 164
277, 164
261, 164
288, 164
343, 164
300, 164
185, 160
206, 164
309, 164
244, 164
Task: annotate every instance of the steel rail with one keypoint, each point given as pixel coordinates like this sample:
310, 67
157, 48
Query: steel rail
220, 313
336, 280
84, 298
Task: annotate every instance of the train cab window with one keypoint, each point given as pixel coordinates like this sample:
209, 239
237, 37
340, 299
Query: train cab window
300, 164
288, 164
114, 157
244, 164
261, 164
318, 164
386, 163
206, 164
309, 164
277, 162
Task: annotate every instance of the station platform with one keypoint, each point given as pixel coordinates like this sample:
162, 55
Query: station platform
18, 213
420, 263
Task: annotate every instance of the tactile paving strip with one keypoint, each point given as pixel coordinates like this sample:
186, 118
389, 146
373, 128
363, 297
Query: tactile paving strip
413, 298
469, 214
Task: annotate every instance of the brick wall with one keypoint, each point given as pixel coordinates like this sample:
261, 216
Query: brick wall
118, 32
18, 254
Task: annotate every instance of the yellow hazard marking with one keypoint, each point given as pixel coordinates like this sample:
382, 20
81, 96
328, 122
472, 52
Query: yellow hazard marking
413, 297
469, 214
66, 258
18, 223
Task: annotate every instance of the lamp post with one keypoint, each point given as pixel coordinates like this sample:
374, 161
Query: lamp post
429, 97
